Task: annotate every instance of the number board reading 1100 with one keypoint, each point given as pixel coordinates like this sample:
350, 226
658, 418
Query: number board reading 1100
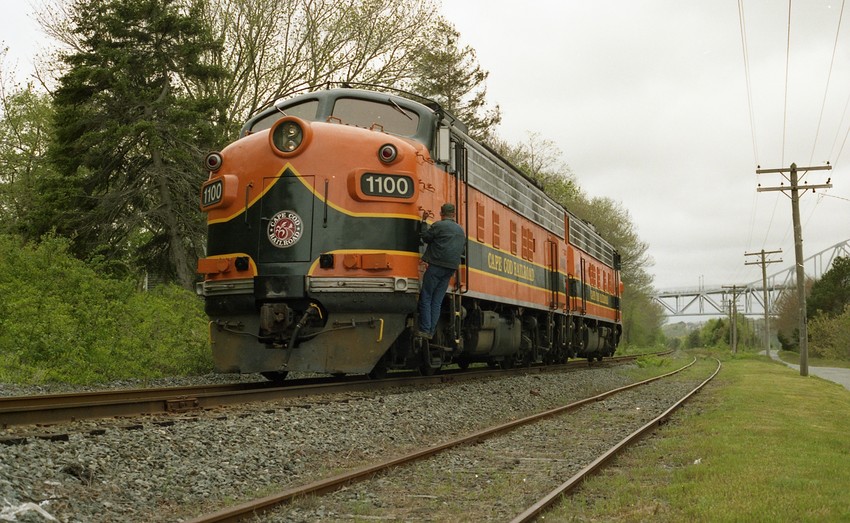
387, 185
211, 193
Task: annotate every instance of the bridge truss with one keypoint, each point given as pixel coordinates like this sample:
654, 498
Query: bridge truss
716, 300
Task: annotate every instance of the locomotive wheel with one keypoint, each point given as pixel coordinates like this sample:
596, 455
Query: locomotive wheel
521, 360
463, 364
276, 376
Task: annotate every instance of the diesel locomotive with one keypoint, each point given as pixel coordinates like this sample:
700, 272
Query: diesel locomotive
313, 253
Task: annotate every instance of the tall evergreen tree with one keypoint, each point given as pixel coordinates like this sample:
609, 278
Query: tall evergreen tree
129, 137
450, 74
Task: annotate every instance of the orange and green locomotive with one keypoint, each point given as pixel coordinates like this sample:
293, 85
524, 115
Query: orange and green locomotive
313, 254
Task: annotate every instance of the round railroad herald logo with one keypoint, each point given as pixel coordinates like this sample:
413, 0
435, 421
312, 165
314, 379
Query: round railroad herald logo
285, 229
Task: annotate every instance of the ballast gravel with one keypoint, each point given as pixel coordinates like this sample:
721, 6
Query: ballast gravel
498, 478
172, 469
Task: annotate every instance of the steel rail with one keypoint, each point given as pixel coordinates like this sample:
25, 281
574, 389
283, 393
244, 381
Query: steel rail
550, 499
60, 408
106, 404
258, 506
35, 401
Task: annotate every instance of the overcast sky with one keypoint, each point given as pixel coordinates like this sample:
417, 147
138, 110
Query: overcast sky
647, 100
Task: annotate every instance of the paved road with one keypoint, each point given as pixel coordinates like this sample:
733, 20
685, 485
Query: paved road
838, 375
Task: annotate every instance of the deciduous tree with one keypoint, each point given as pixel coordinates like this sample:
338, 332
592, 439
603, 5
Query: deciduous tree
309, 43
830, 335
542, 160
26, 123
786, 309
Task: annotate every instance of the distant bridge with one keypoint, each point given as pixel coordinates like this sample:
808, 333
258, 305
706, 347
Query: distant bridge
716, 300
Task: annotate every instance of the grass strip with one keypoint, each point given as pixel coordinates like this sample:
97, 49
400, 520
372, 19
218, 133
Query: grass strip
760, 443
794, 357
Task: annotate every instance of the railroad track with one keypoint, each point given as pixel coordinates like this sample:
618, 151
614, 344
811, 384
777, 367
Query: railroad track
572, 483
60, 408
349, 480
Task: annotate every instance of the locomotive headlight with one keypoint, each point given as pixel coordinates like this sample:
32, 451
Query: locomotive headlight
213, 162
388, 153
288, 135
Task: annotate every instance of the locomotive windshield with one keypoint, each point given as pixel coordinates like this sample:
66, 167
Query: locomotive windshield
369, 111
365, 113
306, 110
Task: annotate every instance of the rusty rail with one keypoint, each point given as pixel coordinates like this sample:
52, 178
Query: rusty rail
60, 408
550, 499
261, 505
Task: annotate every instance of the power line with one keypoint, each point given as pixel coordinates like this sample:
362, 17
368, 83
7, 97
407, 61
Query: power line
838, 197
828, 77
787, 61
843, 143
819, 199
753, 214
838, 133
746, 54
743, 26
770, 223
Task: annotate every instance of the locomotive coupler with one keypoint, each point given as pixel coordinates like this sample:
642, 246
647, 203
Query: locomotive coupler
275, 318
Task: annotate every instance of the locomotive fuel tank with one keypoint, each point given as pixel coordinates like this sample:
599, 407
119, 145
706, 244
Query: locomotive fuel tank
492, 334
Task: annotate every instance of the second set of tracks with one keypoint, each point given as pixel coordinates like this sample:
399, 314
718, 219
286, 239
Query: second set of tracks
373, 473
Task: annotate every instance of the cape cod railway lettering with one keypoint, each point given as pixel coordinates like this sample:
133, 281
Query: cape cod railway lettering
509, 267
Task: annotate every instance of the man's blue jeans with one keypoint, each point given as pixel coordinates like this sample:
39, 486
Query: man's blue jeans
435, 282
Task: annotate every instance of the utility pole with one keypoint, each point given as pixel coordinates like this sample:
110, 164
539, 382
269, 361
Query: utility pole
733, 312
798, 242
763, 264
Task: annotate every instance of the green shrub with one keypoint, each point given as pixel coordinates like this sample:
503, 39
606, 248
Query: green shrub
62, 321
650, 360
829, 335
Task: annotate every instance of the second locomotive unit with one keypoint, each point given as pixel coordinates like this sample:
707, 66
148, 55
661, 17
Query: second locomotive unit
313, 255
